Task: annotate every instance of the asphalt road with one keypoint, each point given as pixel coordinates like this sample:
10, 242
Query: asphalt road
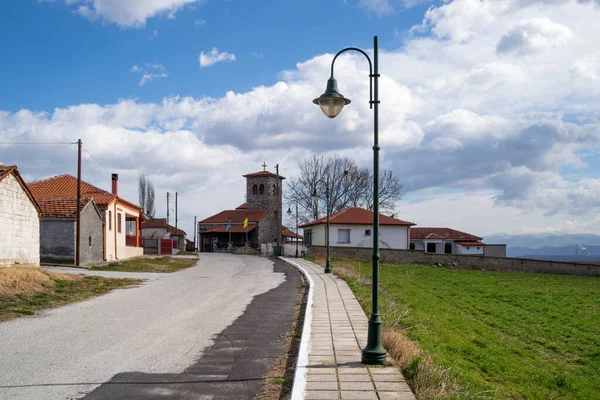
197, 333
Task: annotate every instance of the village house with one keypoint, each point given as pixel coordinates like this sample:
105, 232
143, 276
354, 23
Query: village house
58, 227
156, 229
262, 211
121, 219
445, 240
353, 227
19, 220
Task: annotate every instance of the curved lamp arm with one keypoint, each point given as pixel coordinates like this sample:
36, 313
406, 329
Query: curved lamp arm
370, 69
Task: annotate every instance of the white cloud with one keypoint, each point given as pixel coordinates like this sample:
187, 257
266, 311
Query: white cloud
129, 13
533, 36
154, 34
454, 116
213, 57
199, 22
149, 72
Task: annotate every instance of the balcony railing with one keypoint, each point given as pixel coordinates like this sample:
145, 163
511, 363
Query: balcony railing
131, 240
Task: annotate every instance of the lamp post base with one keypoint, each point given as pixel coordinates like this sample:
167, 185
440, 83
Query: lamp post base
328, 269
374, 353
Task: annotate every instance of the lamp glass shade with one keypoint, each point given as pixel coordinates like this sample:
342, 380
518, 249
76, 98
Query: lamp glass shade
289, 211
314, 196
332, 106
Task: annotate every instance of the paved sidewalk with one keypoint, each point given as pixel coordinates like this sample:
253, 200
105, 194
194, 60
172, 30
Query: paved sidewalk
337, 335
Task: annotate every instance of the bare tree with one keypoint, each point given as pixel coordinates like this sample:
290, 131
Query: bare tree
146, 195
347, 185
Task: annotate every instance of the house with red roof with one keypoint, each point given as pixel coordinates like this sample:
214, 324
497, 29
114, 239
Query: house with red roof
19, 220
445, 240
157, 229
353, 227
121, 219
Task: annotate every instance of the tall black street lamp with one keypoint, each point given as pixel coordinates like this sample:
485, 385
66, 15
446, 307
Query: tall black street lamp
332, 103
315, 198
289, 211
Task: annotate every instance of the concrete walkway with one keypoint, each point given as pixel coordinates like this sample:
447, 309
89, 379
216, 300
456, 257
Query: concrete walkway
338, 332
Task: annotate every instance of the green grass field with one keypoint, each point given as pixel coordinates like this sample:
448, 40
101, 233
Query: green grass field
523, 336
143, 264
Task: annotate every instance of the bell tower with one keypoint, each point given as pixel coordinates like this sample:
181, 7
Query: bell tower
263, 192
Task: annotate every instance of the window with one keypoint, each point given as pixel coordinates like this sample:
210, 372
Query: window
477, 248
411, 246
367, 232
119, 222
110, 220
274, 189
90, 241
431, 248
261, 190
130, 228
308, 236
468, 248
343, 236
254, 189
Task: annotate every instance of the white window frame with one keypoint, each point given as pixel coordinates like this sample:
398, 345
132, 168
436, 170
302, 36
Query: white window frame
338, 236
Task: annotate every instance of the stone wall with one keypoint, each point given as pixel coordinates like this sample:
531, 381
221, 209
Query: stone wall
270, 200
462, 261
91, 228
19, 225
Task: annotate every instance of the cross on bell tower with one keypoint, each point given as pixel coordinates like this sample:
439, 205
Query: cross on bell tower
264, 165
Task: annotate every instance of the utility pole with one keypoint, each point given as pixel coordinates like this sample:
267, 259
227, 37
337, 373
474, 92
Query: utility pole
195, 226
176, 230
78, 228
168, 194
279, 209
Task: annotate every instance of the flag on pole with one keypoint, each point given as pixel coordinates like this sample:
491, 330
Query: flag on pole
228, 226
246, 222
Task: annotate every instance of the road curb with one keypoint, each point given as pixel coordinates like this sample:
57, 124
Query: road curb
299, 385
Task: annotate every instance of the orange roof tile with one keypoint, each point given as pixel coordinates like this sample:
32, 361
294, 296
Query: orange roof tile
442, 233
357, 216
61, 208
242, 206
65, 186
235, 216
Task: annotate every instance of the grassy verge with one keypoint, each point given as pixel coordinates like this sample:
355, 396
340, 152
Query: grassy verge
159, 264
26, 291
186, 253
279, 380
481, 334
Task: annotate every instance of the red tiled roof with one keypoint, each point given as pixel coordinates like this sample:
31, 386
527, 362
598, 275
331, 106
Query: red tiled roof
262, 173
463, 243
234, 229
287, 233
357, 216
242, 206
61, 208
444, 233
6, 170
235, 216
65, 186
153, 223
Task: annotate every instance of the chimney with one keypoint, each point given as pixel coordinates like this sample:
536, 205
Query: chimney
115, 184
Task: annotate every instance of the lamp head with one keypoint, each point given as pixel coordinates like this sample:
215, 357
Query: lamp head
331, 102
289, 211
314, 196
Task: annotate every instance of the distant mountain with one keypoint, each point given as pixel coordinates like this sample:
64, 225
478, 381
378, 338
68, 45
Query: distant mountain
544, 240
567, 251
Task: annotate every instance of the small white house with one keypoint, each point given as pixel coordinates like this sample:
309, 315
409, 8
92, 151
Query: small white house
19, 220
445, 241
353, 227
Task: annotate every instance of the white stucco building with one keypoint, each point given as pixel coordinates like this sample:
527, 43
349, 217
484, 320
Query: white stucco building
446, 241
19, 220
353, 227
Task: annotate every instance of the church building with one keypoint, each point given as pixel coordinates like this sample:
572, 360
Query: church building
252, 224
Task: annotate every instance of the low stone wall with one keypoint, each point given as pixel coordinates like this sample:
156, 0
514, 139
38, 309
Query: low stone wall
473, 262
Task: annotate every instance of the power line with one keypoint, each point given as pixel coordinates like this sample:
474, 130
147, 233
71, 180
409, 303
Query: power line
95, 159
36, 143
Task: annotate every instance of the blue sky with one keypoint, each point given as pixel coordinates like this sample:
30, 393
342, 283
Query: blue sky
489, 111
55, 58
